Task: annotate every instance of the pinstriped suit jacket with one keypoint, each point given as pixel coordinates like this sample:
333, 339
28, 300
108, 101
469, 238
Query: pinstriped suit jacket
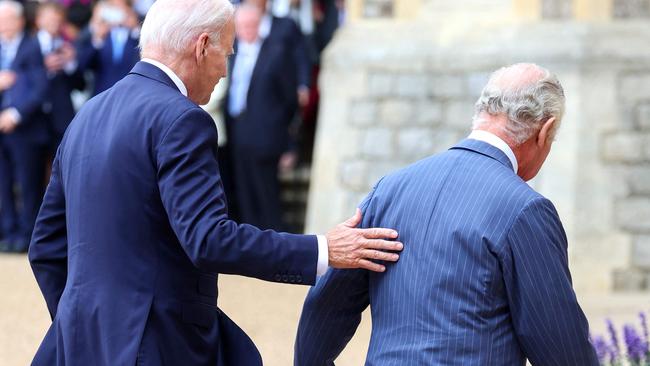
483, 278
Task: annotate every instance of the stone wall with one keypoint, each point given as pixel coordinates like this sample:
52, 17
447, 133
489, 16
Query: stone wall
395, 92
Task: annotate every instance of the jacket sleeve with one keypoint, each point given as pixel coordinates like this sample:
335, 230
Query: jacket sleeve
548, 322
37, 77
192, 194
332, 311
48, 251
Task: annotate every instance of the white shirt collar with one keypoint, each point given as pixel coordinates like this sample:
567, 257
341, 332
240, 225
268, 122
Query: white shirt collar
172, 75
497, 142
265, 26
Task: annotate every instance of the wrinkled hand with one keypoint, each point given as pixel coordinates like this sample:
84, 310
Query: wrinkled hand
350, 247
287, 161
303, 96
54, 62
7, 80
7, 122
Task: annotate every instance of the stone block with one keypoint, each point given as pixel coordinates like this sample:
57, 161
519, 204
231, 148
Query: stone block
641, 252
381, 85
476, 82
354, 174
458, 115
448, 86
629, 280
428, 112
377, 143
625, 147
363, 113
415, 142
638, 179
633, 214
396, 112
635, 87
643, 117
412, 85
379, 170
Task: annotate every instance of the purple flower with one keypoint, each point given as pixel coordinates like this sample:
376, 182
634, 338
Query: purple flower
635, 345
615, 350
646, 337
602, 348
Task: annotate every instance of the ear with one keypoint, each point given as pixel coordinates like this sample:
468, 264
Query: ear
201, 47
544, 137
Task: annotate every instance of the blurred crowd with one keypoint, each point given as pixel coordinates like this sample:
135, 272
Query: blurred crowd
55, 55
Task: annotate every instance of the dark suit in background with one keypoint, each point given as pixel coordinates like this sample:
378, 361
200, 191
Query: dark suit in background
58, 109
483, 278
107, 63
134, 229
22, 152
259, 135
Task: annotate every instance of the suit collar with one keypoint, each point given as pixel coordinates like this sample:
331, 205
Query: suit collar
486, 149
152, 72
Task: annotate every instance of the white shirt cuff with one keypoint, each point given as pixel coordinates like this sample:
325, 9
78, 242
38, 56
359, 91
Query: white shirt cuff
15, 115
323, 255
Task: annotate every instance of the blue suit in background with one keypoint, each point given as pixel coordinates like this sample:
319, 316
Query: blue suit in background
108, 64
134, 229
483, 278
22, 152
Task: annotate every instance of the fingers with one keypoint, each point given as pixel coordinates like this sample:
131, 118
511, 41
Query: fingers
379, 233
354, 220
381, 256
371, 266
383, 245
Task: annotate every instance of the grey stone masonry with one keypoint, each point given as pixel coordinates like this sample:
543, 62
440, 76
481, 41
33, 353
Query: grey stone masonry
641, 252
626, 147
629, 280
557, 9
638, 180
363, 113
643, 116
633, 214
377, 143
631, 8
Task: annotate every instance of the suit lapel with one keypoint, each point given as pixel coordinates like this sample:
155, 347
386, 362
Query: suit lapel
19, 53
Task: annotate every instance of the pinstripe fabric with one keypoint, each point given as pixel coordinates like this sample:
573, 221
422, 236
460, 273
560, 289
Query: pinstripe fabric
483, 278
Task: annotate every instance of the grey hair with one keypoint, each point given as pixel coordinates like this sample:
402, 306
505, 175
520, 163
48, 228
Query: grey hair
13, 5
527, 105
172, 25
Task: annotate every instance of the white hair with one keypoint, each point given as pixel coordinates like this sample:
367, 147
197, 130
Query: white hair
172, 25
527, 104
15, 6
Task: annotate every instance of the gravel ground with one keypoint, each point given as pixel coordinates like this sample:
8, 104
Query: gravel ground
268, 313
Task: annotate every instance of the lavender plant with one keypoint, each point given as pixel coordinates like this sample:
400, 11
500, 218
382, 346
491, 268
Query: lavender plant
637, 345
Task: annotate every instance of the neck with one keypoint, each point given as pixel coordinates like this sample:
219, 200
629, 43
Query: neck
181, 66
496, 125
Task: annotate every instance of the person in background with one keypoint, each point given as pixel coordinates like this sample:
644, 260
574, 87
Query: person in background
259, 106
63, 75
110, 46
23, 136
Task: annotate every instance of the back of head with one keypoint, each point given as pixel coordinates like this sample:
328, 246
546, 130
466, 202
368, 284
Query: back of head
11, 18
172, 25
527, 95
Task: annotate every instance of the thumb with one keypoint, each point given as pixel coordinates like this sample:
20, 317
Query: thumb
354, 220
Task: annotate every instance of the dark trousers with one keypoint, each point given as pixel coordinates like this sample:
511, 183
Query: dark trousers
258, 190
22, 166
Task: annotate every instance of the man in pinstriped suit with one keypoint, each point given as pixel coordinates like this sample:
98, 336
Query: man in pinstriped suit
483, 278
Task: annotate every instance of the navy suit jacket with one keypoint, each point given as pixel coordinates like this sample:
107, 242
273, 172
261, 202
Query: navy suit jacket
106, 72
263, 129
285, 31
133, 231
28, 93
58, 106
483, 278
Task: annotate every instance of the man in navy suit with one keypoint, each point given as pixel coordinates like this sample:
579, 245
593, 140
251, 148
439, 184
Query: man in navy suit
23, 136
63, 75
134, 227
109, 48
484, 277
260, 104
